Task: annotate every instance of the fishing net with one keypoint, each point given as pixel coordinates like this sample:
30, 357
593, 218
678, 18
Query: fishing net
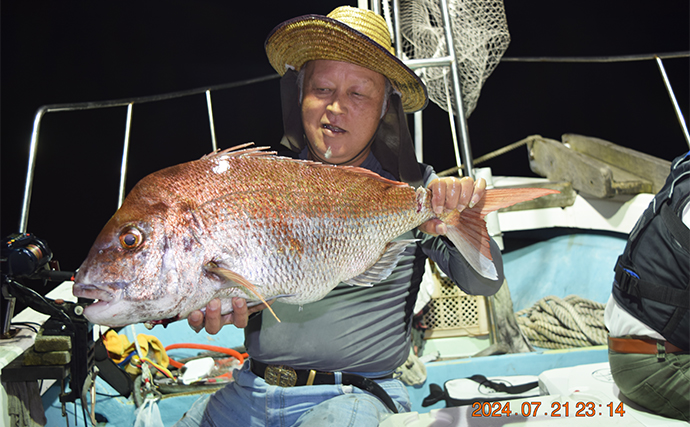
480, 37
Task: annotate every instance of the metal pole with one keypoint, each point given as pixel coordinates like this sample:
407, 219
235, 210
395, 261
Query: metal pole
396, 29
453, 131
669, 89
125, 153
441, 61
460, 109
28, 185
209, 106
418, 144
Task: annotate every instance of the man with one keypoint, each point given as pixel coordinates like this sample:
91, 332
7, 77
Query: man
647, 314
330, 362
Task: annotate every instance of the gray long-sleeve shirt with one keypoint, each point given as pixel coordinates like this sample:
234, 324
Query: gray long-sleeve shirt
357, 329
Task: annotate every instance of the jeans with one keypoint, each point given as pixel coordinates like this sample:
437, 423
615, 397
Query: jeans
661, 386
249, 401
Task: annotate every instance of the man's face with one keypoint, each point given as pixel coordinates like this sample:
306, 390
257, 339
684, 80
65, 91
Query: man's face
341, 108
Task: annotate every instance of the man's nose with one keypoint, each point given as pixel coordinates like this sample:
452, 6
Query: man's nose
337, 105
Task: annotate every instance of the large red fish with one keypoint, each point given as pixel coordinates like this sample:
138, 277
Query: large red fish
244, 222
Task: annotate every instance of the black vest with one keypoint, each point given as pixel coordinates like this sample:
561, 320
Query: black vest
653, 273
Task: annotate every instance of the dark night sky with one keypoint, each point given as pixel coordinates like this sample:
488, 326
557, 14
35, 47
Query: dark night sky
62, 52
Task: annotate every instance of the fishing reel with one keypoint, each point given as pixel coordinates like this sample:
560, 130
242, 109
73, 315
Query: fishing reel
26, 256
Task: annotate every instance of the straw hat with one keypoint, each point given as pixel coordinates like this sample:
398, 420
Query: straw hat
347, 34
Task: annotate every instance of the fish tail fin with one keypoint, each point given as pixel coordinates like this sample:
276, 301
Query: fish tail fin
236, 278
467, 228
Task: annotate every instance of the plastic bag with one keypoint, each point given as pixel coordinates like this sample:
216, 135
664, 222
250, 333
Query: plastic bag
148, 414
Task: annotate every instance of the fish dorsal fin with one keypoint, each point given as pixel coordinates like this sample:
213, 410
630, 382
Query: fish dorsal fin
384, 266
238, 280
370, 174
243, 151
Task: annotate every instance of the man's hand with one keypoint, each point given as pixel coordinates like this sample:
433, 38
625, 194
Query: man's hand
450, 193
214, 321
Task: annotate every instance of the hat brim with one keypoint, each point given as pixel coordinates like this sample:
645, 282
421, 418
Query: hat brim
310, 37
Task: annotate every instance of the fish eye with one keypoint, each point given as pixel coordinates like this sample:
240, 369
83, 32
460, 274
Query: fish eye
131, 238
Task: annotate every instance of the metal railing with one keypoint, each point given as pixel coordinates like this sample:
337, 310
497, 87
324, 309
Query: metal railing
129, 103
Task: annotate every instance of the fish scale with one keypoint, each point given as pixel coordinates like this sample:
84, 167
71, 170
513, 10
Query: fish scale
244, 222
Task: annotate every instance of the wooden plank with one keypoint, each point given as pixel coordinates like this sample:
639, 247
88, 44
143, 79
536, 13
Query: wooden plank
558, 162
647, 167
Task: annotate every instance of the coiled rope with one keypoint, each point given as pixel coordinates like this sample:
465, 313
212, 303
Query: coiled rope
563, 323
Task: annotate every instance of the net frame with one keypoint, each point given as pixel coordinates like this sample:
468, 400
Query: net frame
480, 36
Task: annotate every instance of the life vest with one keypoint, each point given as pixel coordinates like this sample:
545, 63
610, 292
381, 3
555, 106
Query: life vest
653, 273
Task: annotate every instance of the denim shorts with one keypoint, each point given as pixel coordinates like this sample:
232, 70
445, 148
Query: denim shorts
250, 401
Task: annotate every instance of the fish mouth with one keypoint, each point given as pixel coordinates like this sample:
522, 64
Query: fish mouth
100, 311
109, 309
83, 290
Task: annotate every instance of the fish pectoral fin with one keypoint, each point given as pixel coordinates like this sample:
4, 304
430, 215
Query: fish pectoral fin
384, 266
472, 241
238, 280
